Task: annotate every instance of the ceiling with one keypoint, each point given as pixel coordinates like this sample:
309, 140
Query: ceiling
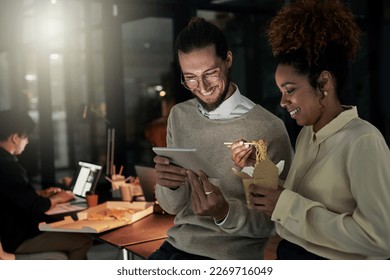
264, 6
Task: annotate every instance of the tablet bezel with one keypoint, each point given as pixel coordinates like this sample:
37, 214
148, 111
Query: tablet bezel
187, 158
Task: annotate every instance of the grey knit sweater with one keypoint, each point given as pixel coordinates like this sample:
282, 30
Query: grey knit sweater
245, 232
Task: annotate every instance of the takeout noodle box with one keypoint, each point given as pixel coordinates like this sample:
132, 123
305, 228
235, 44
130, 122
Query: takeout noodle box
103, 217
117, 181
265, 174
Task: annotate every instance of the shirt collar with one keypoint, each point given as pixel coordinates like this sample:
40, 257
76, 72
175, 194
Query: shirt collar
349, 113
225, 109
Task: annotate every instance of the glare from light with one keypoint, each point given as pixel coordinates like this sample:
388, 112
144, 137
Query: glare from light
115, 10
30, 77
158, 88
53, 1
54, 27
54, 56
162, 93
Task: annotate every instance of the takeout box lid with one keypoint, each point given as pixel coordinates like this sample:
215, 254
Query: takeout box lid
141, 209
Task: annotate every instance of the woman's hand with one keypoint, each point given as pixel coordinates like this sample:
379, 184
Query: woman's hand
264, 199
243, 154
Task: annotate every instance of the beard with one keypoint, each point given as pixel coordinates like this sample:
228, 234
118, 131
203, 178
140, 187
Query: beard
212, 106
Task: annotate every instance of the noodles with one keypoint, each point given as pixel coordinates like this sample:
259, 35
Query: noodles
261, 150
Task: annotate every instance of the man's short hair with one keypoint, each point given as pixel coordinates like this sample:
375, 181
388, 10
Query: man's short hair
199, 34
13, 121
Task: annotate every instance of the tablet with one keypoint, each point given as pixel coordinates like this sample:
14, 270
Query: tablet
187, 158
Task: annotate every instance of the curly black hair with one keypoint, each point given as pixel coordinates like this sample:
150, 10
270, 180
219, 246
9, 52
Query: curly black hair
313, 36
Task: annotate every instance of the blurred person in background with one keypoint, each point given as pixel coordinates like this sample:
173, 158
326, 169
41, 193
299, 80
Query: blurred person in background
22, 207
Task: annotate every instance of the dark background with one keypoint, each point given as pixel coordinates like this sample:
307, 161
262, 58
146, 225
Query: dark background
116, 56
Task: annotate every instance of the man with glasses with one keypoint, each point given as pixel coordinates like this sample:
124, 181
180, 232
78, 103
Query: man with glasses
212, 218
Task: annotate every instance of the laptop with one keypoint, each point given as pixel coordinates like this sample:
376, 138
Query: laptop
148, 178
85, 179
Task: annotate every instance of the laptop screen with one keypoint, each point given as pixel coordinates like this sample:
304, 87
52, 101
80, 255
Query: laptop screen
148, 178
86, 178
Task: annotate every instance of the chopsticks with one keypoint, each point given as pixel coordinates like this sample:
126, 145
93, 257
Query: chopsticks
130, 178
229, 144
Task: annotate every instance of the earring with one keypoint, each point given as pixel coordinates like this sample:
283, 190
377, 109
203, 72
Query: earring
325, 93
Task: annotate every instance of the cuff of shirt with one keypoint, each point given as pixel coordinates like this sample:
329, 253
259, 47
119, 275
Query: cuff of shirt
283, 206
220, 222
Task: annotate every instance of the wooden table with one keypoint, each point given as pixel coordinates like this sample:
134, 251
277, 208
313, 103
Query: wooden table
144, 250
142, 237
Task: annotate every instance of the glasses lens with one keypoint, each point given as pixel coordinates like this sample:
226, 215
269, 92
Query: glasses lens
191, 84
208, 79
211, 79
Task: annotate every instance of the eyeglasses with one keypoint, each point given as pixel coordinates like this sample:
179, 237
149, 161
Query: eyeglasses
209, 78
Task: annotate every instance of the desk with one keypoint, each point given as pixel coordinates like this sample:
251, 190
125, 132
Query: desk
144, 250
151, 228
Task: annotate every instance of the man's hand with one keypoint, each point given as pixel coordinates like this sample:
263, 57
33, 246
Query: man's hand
4, 255
49, 191
66, 181
61, 197
169, 175
207, 199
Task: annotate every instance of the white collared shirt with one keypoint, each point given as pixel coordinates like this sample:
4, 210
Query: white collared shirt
233, 107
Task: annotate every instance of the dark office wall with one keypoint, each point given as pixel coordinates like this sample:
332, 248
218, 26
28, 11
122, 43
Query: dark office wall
253, 68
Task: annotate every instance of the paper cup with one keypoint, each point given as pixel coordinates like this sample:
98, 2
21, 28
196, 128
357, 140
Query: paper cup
126, 193
116, 184
92, 200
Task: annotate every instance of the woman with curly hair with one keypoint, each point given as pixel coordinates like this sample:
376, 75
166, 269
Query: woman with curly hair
336, 197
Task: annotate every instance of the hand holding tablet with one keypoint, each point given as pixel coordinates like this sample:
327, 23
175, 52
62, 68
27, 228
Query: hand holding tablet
187, 158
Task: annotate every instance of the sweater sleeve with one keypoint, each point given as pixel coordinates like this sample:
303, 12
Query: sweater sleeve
173, 201
246, 222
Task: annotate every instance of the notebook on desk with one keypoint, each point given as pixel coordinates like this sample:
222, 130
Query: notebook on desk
85, 179
148, 178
